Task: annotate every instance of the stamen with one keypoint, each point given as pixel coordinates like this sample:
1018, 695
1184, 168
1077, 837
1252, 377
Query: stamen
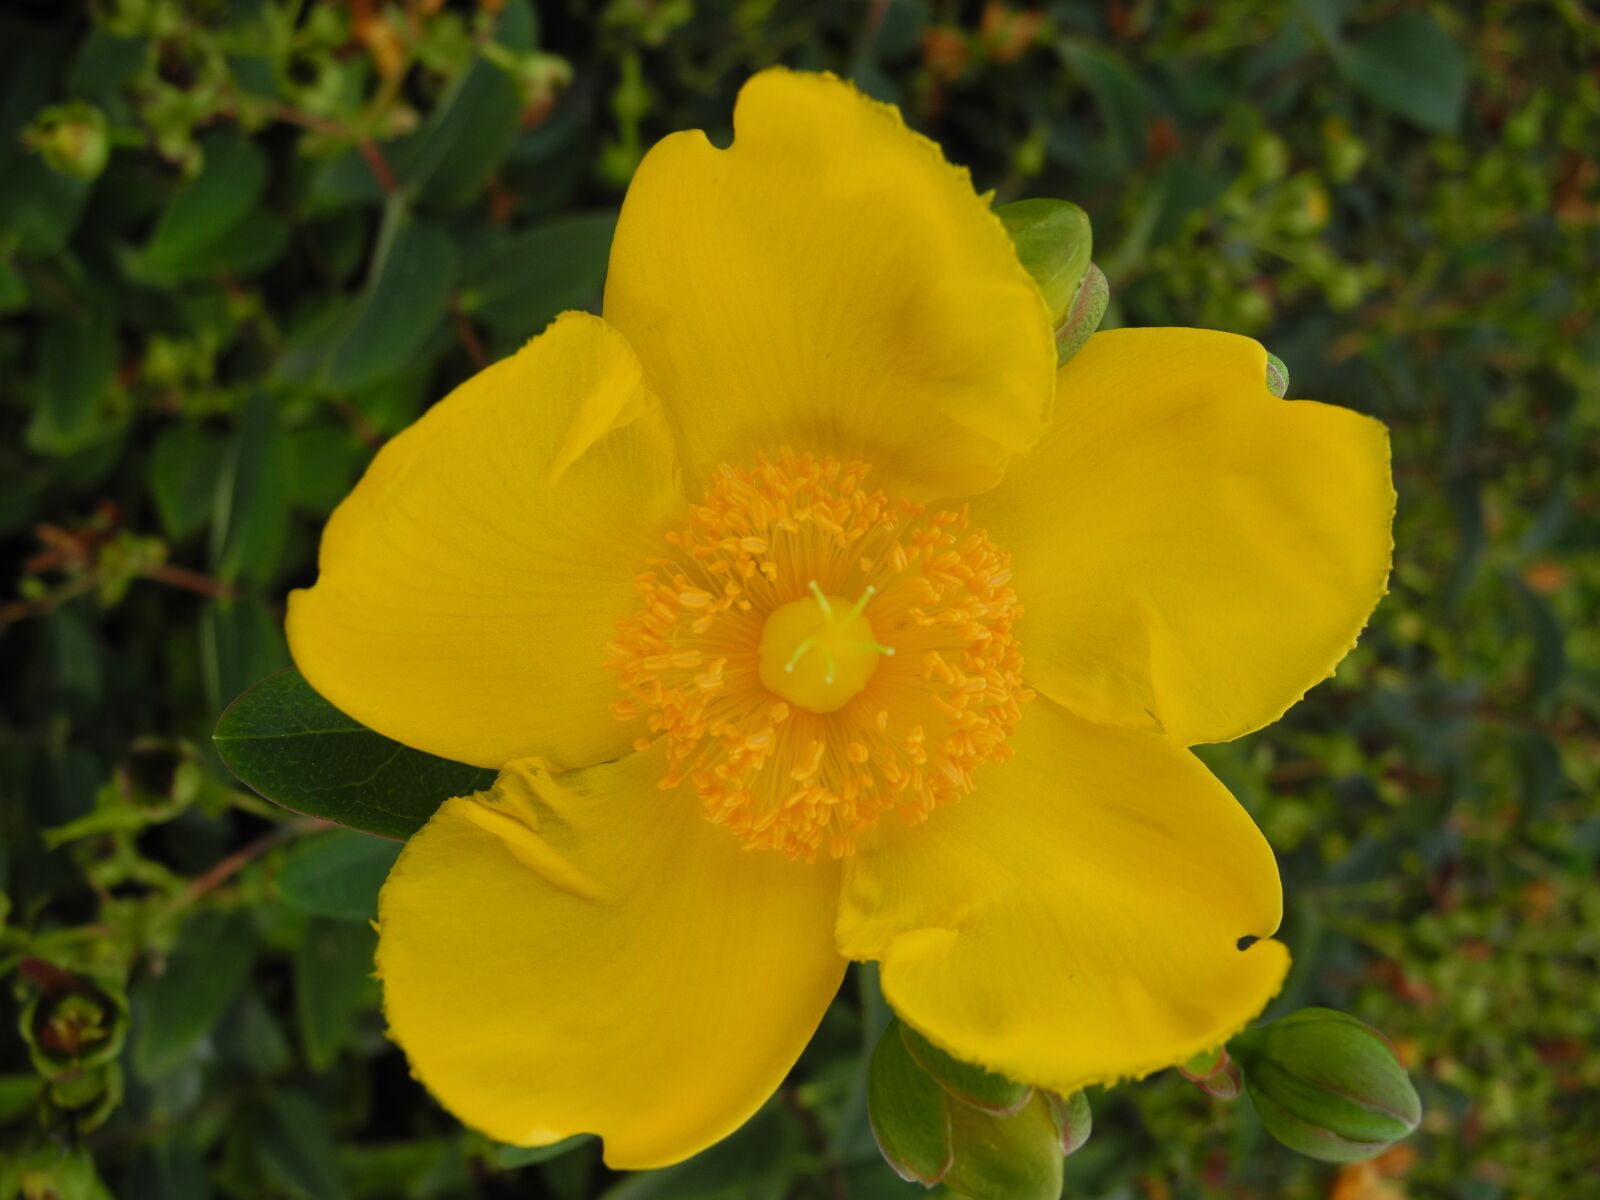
892, 714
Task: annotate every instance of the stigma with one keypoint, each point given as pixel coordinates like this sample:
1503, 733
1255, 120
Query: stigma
799, 717
820, 651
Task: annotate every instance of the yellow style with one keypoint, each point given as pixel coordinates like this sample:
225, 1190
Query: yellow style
811, 615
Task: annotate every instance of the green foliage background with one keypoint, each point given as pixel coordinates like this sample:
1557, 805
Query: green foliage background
313, 218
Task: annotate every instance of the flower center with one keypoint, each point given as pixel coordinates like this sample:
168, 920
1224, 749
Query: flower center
820, 652
799, 717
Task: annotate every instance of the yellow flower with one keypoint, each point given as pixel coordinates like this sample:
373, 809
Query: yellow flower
811, 615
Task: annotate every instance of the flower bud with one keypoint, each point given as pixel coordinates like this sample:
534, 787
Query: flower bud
1326, 1085
1053, 242
1214, 1073
1277, 376
74, 139
71, 1023
939, 1120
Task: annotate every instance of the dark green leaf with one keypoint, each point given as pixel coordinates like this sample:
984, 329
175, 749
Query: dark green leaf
326, 460
753, 1164
183, 1004
77, 368
512, 1157
1412, 68
299, 751
407, 293
1119, 94
204, 213
518, 284
296, 1147
39, 207
471, 130
183, 477
240, 642
252, 498
246, 249
337, 874
168, 1169
333, 983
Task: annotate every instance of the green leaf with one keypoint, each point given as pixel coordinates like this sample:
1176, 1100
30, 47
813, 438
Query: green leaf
967, 1083
756, 1163
77, 369
333, 982
471, 130
19, 1092
295, 1146
1119, 94
512, 1157
297, 750
519, 284
203, 214
251, 521
39, 207
184, 1003
327, 458
246, 249
337, 874
240, 642
170, 1168
408, 290
1411, 67
184, 465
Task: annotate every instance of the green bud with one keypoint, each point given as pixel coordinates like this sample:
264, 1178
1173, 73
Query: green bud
939, 1120
1054, 242
71, 1023
74, 139
1214, 1073
1277, 376
1005, 1158
50, 1173
1327, 1086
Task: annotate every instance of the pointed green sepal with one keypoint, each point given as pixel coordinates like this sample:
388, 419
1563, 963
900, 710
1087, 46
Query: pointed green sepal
967, 1083
908, 1111
1074, 1119
1084, 316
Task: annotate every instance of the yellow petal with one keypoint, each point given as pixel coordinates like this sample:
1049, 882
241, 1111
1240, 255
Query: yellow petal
583, 953
829, 283
1078, 918
1191, 553
470, 582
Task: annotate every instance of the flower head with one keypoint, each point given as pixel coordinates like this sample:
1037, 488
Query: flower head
810, 614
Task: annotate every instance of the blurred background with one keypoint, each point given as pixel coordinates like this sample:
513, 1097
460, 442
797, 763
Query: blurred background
242, 242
